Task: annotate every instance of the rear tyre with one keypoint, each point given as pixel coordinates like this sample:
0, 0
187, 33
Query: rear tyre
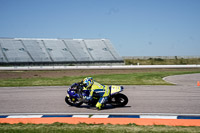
119, 100
73, 103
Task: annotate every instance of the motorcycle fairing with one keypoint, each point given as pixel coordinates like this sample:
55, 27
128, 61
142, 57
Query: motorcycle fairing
115, 89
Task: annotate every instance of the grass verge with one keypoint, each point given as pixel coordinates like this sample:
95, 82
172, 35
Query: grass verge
139, 78
92, 128
159, 61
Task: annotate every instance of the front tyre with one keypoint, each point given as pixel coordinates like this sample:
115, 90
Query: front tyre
119, 100
73, 102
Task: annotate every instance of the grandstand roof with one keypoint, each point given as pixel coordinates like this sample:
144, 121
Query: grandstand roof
31, 50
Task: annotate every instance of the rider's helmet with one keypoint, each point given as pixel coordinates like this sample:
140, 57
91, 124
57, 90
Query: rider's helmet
88, 82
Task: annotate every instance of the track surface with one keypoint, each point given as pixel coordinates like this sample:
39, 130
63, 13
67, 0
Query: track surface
183, 98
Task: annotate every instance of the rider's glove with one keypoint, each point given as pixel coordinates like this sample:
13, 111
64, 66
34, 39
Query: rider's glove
74, 85
88, 98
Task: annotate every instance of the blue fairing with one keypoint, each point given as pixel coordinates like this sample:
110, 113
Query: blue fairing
86, 93
122, 88
73, 94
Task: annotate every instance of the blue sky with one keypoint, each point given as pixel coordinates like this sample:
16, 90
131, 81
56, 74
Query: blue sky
135, 27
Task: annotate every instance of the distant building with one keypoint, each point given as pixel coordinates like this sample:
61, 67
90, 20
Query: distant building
26, 51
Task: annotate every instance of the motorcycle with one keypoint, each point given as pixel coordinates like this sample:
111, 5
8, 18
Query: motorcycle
75, 97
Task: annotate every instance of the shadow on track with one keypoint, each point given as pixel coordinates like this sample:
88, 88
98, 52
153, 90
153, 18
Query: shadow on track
107, 107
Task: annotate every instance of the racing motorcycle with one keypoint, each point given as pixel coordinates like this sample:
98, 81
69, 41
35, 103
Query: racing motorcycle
75, 97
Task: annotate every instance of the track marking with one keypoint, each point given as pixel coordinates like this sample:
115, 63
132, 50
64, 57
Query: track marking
161, 114
80, 116
100, 116
165, 79
158, 117
25, 116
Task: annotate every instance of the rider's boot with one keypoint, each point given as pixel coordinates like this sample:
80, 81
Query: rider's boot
98, 106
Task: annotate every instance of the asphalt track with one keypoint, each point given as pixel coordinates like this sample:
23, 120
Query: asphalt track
182, 98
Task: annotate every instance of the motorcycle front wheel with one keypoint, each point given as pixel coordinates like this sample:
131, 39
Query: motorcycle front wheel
72, 102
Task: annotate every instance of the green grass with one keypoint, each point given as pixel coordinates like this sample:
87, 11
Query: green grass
159, 61
139, 78
92, 128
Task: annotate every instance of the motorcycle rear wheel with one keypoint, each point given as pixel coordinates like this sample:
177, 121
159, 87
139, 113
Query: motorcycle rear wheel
73, 103
119, 100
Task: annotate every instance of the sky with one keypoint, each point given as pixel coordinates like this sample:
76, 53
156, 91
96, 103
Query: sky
135, 27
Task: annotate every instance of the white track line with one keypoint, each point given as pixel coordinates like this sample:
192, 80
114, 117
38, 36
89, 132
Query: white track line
24, 116
169, 81
158, 117
80, 116
100, 116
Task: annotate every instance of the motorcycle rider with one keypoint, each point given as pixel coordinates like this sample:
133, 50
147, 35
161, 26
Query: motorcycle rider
102, 90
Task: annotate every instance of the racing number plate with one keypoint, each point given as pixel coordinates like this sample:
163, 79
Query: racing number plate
115, 89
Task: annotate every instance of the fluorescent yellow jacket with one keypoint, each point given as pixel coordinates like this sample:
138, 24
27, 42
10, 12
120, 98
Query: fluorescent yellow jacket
102, 90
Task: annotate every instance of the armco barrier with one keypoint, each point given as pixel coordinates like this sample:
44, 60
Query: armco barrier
95, 67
